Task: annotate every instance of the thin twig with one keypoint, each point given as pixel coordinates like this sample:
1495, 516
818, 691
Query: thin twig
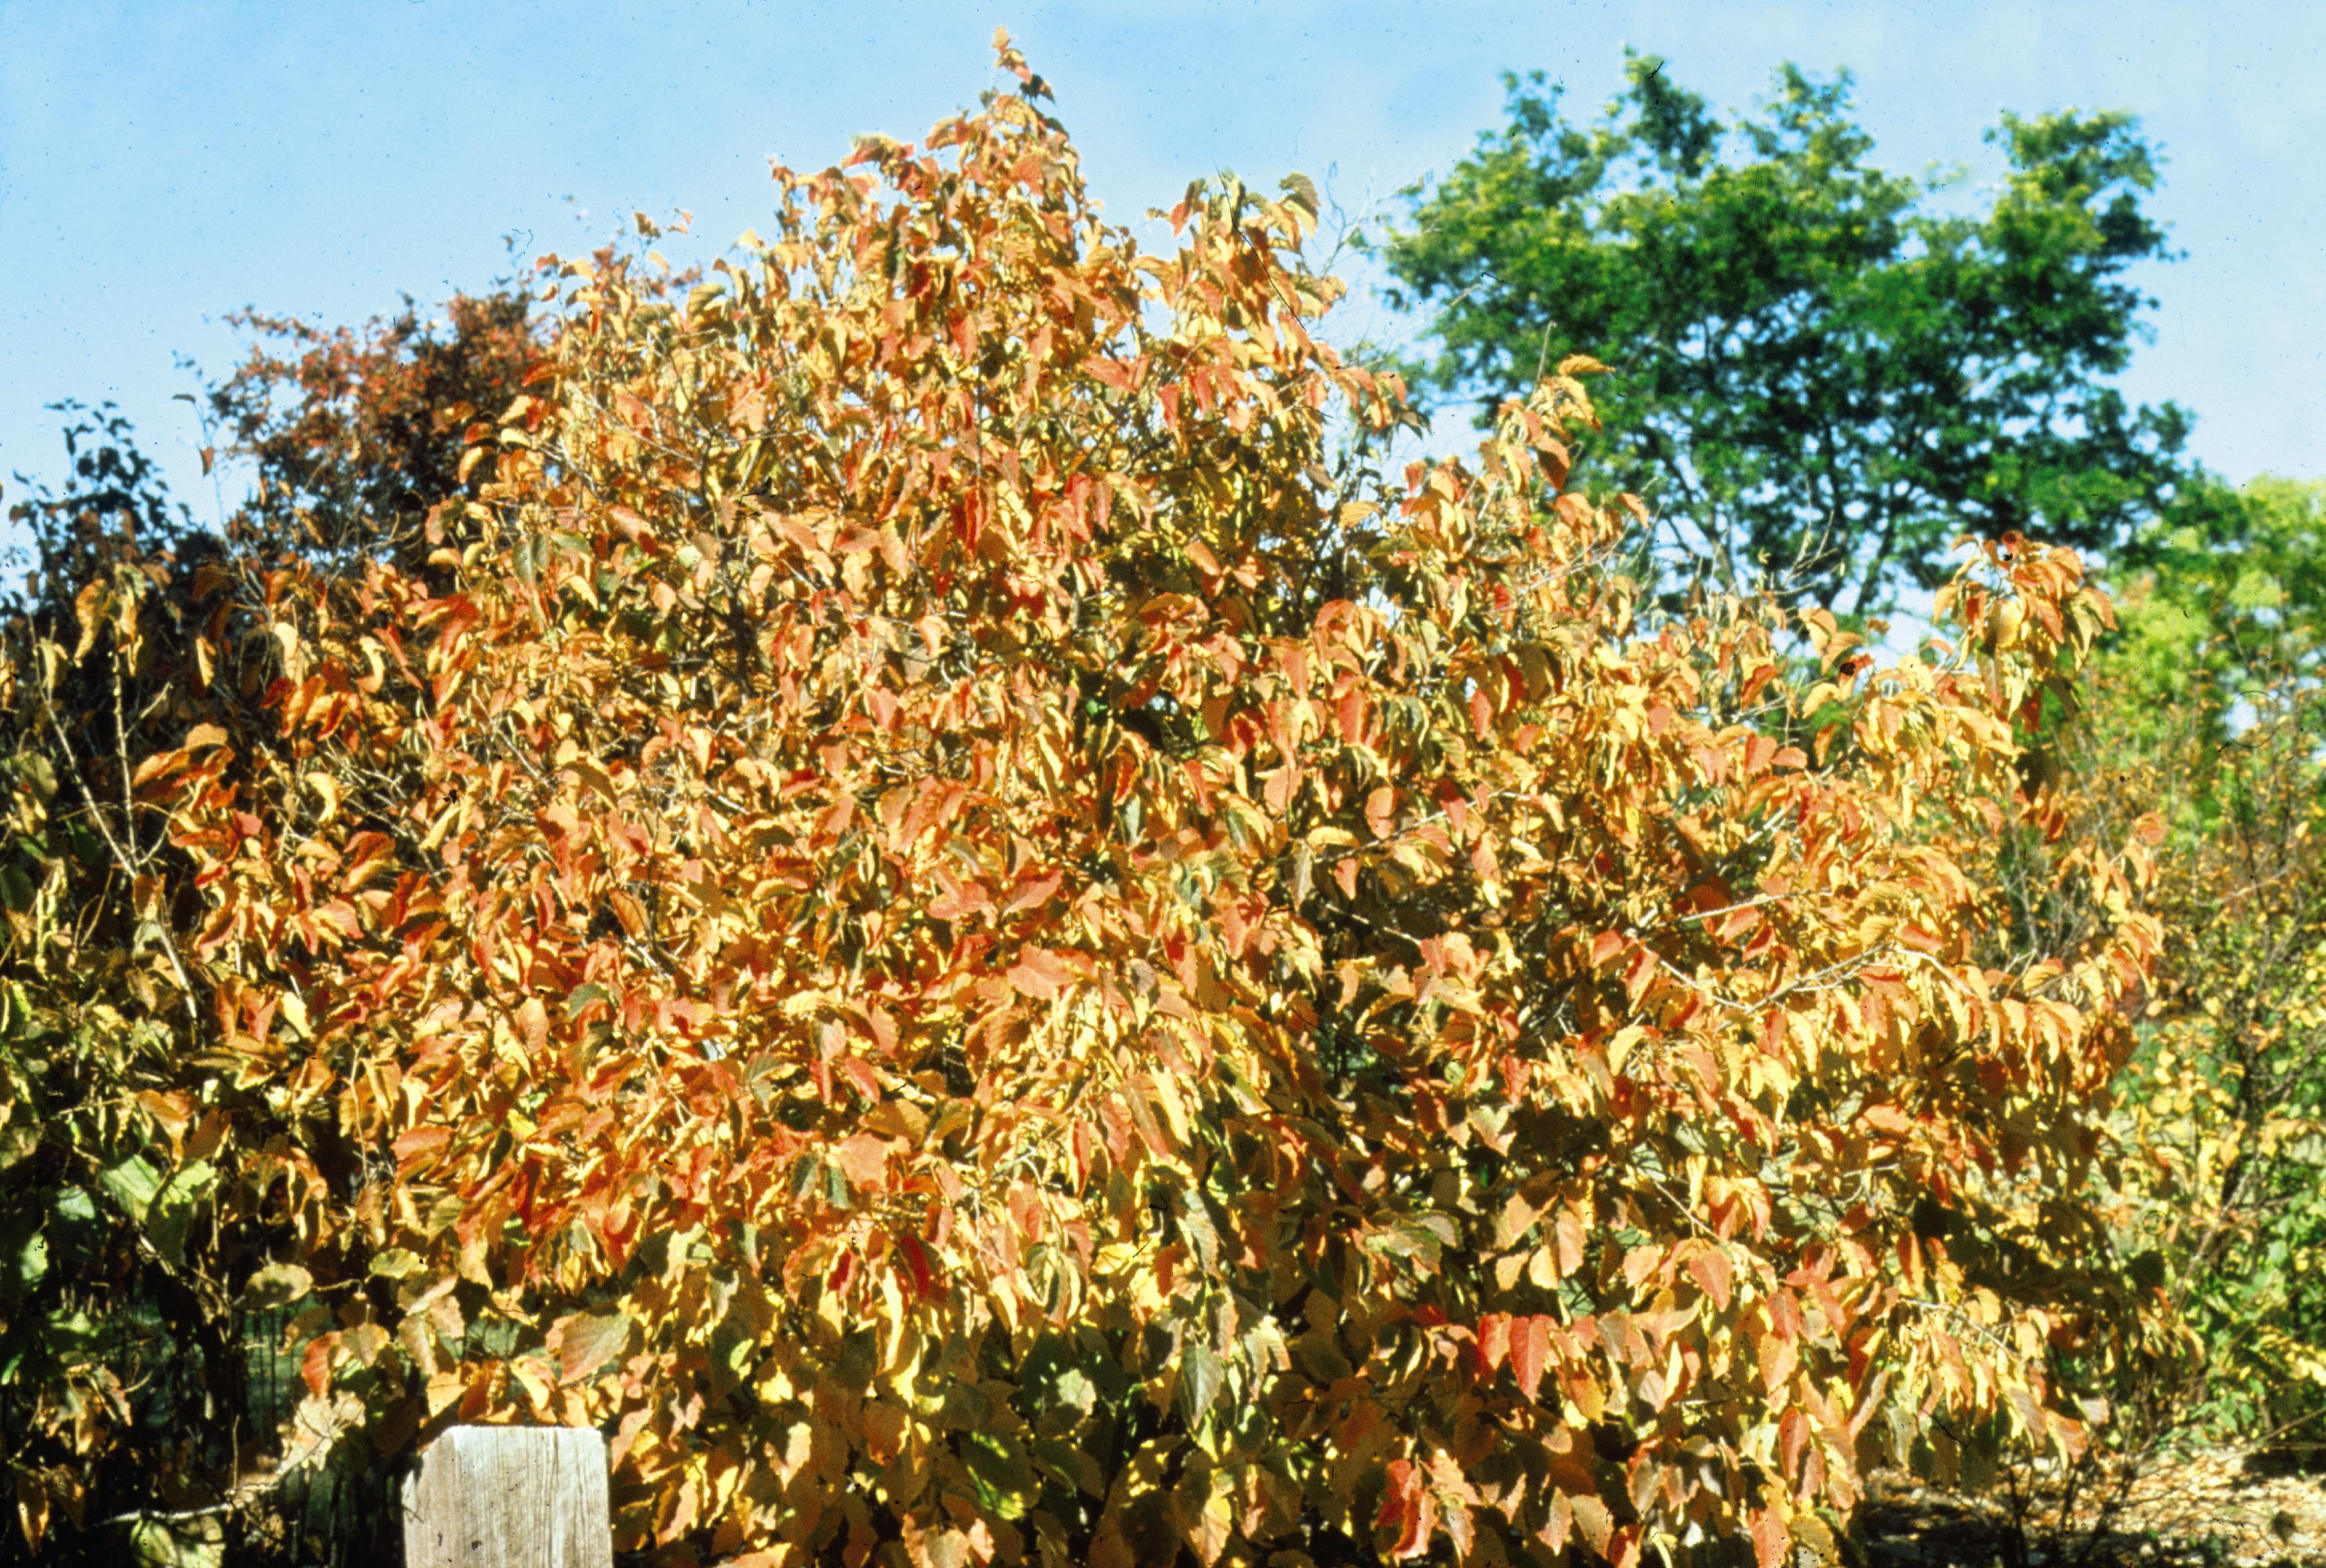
128, 869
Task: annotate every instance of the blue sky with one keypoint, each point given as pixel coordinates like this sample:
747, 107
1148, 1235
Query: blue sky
164, 163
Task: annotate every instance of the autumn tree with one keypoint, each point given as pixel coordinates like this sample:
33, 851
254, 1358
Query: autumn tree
138, 1272
354, 437
946, 916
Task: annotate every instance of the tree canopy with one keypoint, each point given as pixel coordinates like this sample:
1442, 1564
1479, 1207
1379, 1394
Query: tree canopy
1824, 372
2227, 600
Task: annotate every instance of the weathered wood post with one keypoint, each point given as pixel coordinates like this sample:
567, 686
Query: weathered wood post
510, 1496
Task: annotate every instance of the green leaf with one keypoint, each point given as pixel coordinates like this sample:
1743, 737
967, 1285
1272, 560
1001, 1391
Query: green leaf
1004, 1482
133, 1184
397, 1263
177, 1206
1829, 369
1422, 1239
1075, 1390
1070, 1465
69, 1332
1201, 1375
19, 1136
41, 775
195, 1543
28, 1264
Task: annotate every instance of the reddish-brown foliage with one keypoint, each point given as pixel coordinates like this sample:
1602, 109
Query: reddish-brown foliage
358, 436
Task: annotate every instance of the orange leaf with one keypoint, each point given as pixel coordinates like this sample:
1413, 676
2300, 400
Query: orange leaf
1530, 1352
585, 1341
1494, 1339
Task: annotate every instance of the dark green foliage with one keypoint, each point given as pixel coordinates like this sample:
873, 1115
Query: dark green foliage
1824, 375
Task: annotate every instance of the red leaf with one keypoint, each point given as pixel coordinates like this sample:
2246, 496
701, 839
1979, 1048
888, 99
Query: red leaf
1592, 1517
1778, 1354
1710, 1267
315, 1365
1792, 1436
1039, 973
1407, 1510
1770, 1538
1530, 1352
411, 1148
1494, 1339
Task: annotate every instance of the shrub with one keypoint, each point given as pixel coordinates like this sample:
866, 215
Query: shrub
947, 911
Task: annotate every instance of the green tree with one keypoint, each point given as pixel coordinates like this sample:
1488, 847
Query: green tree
2228, 604
2211, 700
1825, 376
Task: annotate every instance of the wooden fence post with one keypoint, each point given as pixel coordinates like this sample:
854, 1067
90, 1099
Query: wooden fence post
510, 1496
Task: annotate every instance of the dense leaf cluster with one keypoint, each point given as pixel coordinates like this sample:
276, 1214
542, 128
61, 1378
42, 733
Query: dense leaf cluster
936, 907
